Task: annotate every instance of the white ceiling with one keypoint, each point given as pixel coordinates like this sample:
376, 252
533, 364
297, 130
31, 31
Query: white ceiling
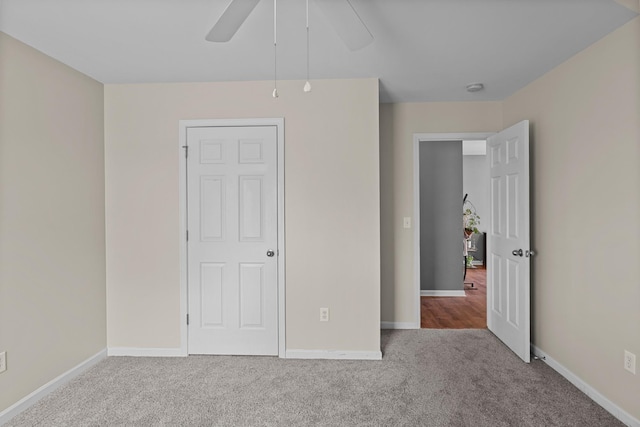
424, 50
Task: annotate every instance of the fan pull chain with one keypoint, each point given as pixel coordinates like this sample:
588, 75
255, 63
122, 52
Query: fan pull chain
275, 51
307, 85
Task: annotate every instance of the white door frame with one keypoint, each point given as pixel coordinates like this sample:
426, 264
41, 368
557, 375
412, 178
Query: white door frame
183, 126
417, 139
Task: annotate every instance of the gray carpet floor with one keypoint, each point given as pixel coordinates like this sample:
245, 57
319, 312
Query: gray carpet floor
426, 378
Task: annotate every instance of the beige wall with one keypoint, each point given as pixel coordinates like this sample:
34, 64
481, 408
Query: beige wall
331, 206
52, 259
398, 123
585, 118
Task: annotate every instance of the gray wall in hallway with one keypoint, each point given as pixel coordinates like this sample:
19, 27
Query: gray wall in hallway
441, 241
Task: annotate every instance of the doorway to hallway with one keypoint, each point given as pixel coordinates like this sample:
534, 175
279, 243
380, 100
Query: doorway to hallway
453, 235
508, 238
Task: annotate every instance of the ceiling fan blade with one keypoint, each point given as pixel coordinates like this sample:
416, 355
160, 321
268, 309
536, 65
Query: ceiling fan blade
232, 18
345, 20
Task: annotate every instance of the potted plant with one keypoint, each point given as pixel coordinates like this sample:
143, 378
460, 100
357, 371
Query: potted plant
470, 219
469, 261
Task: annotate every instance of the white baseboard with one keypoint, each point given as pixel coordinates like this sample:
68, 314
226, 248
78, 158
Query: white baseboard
399, 325
52, 385
146, 352
424, 293
334, 354
611, 407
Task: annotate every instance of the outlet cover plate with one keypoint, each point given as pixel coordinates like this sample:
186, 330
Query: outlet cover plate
630, 362
3, 361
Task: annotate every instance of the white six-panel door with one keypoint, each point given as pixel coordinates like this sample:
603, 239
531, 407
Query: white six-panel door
232, 240
508, 268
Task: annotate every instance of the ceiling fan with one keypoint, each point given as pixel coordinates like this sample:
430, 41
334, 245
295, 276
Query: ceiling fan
340, 13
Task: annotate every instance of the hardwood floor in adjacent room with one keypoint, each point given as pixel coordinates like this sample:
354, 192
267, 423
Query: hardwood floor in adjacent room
469, 312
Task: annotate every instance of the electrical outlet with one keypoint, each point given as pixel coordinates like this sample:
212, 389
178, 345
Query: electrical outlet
3, 361
630, 362
324, 314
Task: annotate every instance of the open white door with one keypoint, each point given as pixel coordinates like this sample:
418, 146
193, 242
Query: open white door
509, 262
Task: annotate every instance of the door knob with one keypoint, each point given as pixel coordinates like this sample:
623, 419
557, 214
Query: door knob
517, 252
270, 253
529, 253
